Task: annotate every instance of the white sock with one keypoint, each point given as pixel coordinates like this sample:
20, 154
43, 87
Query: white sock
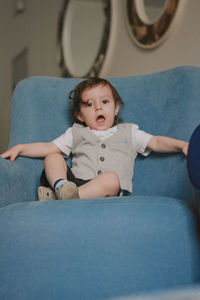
59, 183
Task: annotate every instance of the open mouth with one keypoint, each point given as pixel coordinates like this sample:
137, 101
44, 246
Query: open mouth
100, 119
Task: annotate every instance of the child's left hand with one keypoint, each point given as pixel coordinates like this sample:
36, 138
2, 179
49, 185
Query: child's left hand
185, 148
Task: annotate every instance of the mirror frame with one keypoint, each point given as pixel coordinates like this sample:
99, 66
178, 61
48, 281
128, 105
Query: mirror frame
146, 34
97, 65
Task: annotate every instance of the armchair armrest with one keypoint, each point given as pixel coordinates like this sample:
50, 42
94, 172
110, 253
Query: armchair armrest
17, 184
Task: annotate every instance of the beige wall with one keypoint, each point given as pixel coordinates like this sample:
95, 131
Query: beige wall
36, 29
182, 46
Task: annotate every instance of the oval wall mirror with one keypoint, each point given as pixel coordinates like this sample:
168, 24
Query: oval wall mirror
83, 36
150, 20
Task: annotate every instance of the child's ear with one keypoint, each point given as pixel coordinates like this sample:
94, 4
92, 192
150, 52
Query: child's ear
79, 117
117, 106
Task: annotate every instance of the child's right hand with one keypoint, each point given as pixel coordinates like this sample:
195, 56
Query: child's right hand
12, 153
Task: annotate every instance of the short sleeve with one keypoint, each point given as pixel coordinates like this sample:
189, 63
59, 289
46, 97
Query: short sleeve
65, 141
140, 140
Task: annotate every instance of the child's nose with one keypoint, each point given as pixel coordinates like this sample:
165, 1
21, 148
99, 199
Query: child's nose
98, 106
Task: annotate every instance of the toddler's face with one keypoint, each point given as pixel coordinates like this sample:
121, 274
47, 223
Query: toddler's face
98, 108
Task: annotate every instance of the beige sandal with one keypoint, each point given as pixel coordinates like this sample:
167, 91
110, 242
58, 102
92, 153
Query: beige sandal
69, 190
45, 193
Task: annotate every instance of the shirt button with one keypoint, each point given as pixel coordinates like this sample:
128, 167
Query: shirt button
99, 172
103, 146
102, 158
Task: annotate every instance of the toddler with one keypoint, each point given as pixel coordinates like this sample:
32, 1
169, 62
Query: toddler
103, 148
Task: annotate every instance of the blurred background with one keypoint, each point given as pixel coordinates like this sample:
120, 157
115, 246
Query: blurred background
80, 38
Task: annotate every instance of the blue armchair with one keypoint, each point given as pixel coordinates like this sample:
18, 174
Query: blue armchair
101, 248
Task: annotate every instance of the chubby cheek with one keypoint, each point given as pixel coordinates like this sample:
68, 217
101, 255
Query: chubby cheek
86, 117
112, 121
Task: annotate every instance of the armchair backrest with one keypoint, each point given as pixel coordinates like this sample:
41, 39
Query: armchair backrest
164, 103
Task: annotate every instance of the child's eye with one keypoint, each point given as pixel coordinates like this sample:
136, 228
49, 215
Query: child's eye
89, 104
105, 101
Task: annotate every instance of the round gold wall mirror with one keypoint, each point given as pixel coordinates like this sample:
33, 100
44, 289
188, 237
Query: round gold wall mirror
150, 20
83, 36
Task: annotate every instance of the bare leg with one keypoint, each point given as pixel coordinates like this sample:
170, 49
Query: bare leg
104, 185
55, 167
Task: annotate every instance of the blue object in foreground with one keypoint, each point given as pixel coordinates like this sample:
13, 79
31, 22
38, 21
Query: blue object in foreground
193, 158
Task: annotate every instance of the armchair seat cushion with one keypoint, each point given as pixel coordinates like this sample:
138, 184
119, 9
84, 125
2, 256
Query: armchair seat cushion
96, 249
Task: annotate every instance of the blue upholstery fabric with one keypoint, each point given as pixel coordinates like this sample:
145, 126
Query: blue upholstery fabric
164, 103
96, 249
101, 248
186, 293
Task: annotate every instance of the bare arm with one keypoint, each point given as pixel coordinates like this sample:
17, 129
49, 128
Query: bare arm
30, 150
165, 144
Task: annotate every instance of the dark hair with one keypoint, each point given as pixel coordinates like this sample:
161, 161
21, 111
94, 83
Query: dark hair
75, 96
